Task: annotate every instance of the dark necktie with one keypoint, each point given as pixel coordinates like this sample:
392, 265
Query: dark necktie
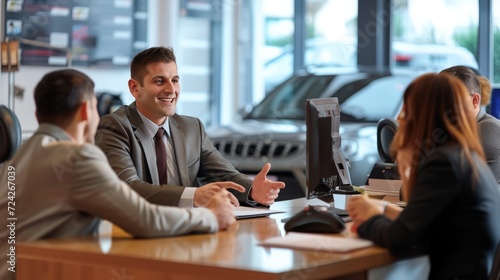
161, 156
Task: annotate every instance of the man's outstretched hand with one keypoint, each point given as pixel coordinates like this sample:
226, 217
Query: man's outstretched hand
265, 191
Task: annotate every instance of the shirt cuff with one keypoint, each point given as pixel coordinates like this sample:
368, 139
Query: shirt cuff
187, 197
250, 201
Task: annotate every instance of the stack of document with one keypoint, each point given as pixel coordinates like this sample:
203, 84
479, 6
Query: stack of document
384, 178
317, 242
244, 212
389, 187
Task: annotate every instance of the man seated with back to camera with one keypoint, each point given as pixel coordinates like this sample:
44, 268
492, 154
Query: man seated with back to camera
453, 200
63, 183
195, 168
488, 125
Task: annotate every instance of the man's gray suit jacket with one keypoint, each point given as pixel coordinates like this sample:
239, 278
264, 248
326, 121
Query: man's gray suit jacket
489, 130
131, 153
59, 188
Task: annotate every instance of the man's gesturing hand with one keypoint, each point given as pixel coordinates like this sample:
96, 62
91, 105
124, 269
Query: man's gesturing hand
204, 193
265, 191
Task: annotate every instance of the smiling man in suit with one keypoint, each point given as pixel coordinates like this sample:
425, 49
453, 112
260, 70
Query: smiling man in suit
194, 169
61, 184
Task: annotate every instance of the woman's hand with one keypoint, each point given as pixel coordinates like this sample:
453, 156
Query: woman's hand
362, 208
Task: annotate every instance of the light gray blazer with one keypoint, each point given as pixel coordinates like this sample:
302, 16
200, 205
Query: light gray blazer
62, 187
489, 130
131, 153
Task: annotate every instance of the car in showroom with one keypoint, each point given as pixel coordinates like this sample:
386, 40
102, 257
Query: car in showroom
408, 58
319, 53
275, 129
421, 58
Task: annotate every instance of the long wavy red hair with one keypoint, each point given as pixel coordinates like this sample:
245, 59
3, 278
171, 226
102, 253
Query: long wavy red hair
437, 110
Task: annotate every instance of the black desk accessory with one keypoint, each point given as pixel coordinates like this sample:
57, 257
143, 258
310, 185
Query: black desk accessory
315, 221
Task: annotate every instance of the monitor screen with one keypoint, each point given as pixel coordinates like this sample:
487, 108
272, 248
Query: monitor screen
327, 168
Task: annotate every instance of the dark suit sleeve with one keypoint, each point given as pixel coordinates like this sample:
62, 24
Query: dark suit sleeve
436, 187
116, 139
215, 168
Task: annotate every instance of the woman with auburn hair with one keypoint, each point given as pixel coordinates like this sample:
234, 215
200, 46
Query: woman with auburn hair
453, 200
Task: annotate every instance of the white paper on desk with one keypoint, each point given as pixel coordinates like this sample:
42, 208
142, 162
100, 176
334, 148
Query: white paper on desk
242, 212
317, 242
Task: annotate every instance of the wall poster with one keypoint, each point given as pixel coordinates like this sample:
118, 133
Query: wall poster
76, 32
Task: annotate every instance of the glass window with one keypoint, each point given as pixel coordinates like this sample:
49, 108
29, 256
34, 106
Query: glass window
424, 40
331, 28
278, 41
331, 33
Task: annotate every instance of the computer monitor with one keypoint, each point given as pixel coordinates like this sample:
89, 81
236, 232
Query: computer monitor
327, 167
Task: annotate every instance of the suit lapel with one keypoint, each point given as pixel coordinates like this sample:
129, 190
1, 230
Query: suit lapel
180, 151
145, 141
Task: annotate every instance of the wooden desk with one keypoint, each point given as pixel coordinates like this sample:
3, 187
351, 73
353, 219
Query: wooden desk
231, 254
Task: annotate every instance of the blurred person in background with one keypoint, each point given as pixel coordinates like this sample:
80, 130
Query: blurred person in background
488, 125
453, 200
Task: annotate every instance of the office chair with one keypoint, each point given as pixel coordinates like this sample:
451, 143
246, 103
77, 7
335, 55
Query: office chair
386, 129
108, 102
386, 170
10, 133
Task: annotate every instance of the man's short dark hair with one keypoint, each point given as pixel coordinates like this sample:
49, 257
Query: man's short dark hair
59, 94
467, 76
148, 56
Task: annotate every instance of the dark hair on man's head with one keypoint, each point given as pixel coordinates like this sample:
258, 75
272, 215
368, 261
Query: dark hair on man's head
476, 71
467, 76
148, 56
59, 94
